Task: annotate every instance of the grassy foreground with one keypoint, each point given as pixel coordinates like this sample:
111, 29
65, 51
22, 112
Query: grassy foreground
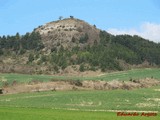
146, 99
50, 114
80, 105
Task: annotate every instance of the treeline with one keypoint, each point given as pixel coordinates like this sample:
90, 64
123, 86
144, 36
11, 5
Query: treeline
19, 44
104, 54
143, 50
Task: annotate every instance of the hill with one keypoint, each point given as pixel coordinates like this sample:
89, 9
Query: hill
69, 33
72, 45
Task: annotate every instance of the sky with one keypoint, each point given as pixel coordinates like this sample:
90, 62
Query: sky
140, 17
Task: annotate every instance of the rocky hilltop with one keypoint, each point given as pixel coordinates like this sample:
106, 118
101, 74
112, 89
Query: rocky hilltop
69, 32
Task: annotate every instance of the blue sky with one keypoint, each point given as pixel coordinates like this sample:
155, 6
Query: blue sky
139, 17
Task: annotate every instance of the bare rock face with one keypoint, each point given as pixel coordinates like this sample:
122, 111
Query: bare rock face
68, 33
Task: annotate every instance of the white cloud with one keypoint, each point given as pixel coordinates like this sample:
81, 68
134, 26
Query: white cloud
147, 30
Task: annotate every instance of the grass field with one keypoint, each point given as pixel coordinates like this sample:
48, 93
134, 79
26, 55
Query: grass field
147, 99
81, 105
122, 75
71, 105
50, 114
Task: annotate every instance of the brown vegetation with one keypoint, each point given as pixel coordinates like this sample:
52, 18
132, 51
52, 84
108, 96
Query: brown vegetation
62, 85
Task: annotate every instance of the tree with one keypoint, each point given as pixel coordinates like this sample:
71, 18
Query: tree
1, 52
84, 38
43, 58
31, 58
17, 36
104, 37
31, 41
82, 68
72, 17
60, 17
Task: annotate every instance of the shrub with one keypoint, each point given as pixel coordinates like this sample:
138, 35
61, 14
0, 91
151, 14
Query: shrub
5, 84
1, 91
76, 83
84, 38
30, 58
81, 68
73, 39
14, 83
79, 29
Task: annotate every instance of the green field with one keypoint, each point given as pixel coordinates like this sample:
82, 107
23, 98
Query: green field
50, 114
88, 100
81, 105
122, 75
71, 105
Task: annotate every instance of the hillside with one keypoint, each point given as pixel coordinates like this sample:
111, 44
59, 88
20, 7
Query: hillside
73, 46
68, 33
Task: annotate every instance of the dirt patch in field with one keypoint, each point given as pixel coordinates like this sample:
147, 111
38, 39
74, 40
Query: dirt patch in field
86, 103
158, 90
141, 105
80, 85
153, 99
